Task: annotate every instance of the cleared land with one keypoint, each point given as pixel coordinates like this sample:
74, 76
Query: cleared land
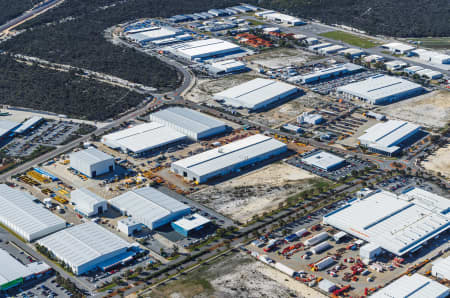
281, 58
257, 192
432, 109
439, 162
351, 39
433, 42
235, 276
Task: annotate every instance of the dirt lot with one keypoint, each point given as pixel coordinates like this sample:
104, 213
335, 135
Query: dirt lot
352, 141
281, 58
257, 192
439, 162
432, 109
234, 276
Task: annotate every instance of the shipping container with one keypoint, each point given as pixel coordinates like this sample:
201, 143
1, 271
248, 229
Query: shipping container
325, 263
320, 247
316, 239
301, 232
285, 269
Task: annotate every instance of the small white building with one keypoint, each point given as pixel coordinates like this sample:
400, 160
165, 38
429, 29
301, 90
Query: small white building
129, 226
398, 48
88, 203
310, 118
395, 65
432, 57
92, 162
323, 160
370, 251
227, 66
441, 268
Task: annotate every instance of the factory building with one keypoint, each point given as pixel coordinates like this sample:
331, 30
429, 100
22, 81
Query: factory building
256, 94
388, 138
193, 124
88, 203
373, 58
282, 18
429, 74
352, 52
432, 57
204, 49
398, 48
190, 224
25, 217
331, 49
92, 162
129, 226
152, 34
7, 128
381, 89
227, 66
143, 138
334, 71
324, 161
310, 118
319, 46
395, 65
415, 285
13, 273
228, 159
412, 69
31, 123
399, 224
87, 247
441, 268
150, 207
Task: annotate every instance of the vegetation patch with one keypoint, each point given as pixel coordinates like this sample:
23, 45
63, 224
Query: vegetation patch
351, 39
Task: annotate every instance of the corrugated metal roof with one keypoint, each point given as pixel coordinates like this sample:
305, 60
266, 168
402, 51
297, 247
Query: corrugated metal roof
28, 124
191, 222
414, 286
323, 160
85, 199
147, 205
6, 126
442, 267
83, 243
399, 46
188, 119
427, 200
204, 47
10, 268
18, 208
91, 155
230, 154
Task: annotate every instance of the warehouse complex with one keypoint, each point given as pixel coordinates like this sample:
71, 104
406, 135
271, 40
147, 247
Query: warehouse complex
398, 224
92, 162
415, 285
13, 273
190, 224
143, 138
432, 57
256, 94
227, 159
88, 203
324, 160
381, 89
388, 138
227, 66
334, 71
154, 34
7, 127
280, 18
150, 207
204, 49
29, 124
26, 218
87, 247
191, 123
398, 48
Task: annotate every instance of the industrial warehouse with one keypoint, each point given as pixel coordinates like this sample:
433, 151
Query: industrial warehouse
193, 124
190, 224
7, 127
87, 247
399, 224
324, 160
204, 49
92, 162
142, 138
227, 66
227, 159
26, 218
380, 89
256, 94
388, 138
150, 207
164, 34
88, 203
29, 124
334, 71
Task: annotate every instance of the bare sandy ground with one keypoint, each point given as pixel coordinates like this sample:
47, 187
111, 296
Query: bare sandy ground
281, 58
439, 161
260, 191
432, 109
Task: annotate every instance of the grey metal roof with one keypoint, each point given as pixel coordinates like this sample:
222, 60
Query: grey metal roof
28, 124
10, 268
91, 155
187, 118
85, 199
6, 126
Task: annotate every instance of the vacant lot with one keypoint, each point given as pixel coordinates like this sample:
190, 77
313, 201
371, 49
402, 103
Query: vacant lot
432, 109
235, 276
351, 39
433, 42
281, 58
439, 162
257, 192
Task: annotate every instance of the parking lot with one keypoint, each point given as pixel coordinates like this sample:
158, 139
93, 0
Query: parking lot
328, 86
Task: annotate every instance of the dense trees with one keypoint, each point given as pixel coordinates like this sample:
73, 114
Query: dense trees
11, 9
60, 92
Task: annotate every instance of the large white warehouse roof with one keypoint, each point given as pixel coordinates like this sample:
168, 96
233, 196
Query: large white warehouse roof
6, 127
194, 124
381, 89
25, 217
87, 202
91, 156
414, 286
441, 268
143, 137
154, 33
150, 206
28, 124
84, 246
256, 93
323, 160
204, 48
393, 222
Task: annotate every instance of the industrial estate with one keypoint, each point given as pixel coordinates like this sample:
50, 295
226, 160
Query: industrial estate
322, 164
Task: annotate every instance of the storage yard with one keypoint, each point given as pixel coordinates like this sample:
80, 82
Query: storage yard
280, 58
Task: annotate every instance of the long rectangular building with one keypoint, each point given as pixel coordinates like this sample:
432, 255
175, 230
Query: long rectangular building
204, 49
381, 89
324, 160
389, 137
29, 124
143, 138
256, 94
397, 223
150, 207
194, 124
86, 247
227, 159
28, 219
334, 71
